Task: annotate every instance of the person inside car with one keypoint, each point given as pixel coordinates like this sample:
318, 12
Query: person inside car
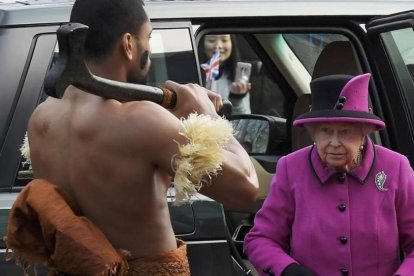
113, 161
224, 82
343, 206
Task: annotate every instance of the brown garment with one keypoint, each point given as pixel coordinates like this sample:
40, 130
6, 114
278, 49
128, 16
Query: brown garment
45, 228
171, 263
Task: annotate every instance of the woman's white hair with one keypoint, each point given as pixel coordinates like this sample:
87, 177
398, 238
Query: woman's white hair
365, 128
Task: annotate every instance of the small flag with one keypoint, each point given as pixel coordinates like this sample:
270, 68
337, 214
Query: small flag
211, 67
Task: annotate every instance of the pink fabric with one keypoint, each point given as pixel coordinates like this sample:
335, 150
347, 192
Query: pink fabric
300, 220
354, 92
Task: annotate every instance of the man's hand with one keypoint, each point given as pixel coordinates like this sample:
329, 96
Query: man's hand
194, 98
216, 99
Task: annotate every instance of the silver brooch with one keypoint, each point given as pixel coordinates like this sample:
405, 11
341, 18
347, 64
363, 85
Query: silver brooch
380, 181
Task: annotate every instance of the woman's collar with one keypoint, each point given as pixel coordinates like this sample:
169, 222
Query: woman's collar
361, 173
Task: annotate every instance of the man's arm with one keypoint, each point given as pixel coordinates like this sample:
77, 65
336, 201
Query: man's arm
236, 185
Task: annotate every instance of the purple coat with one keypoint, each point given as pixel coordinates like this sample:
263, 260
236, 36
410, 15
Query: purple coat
337, 224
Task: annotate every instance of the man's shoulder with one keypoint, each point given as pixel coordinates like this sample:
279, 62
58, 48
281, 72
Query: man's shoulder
144, 112
142, 119
49, 108
140, 107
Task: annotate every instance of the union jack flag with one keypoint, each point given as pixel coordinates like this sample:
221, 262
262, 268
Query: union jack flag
211, 67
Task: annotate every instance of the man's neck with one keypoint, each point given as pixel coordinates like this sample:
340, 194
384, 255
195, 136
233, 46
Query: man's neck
106, 69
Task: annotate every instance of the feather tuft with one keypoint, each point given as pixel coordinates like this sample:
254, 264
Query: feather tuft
25, 150
202, 156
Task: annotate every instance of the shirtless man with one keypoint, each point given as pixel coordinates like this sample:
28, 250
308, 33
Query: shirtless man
114, 159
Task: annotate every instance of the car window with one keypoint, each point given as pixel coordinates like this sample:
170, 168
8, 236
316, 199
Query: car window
400, 48
308, 47
283, 65
172, 57
27, 97
170, 49
295, 56
265, 96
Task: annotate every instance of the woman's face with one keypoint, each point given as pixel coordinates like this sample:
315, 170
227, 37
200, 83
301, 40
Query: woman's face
222, 42
338, 144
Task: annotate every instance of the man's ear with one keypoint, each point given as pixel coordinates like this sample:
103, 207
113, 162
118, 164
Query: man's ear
128, 46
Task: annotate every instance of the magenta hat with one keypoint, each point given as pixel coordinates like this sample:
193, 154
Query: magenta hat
340, 98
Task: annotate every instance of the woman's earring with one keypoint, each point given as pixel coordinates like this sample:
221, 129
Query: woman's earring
314, 143
358, 159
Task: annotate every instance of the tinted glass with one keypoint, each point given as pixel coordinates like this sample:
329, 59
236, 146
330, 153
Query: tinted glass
172, 57
308, 47
400, 47
264, 97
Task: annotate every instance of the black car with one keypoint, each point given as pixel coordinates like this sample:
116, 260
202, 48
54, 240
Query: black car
288, 43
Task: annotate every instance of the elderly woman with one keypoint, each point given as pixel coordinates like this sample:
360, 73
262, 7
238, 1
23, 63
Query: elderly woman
343, 206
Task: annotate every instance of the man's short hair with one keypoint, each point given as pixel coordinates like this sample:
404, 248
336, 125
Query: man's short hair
108, 20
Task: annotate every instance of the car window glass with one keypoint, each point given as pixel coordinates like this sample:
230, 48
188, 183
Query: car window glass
264, 97
294, 54
308, 47
170, 49
172, 57
404, 40
283, 65
400, 47
29, 96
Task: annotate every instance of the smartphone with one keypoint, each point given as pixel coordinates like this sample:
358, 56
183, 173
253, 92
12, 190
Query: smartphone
243, 71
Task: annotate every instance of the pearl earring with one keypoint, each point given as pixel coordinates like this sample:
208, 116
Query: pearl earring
358, 159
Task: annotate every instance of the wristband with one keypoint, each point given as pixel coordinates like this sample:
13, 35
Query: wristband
201, 156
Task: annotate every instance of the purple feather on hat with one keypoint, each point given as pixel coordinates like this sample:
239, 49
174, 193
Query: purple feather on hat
353, 93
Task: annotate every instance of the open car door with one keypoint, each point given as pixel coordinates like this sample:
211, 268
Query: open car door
391, 42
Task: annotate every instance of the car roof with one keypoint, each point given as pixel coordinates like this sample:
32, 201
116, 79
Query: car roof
19, 12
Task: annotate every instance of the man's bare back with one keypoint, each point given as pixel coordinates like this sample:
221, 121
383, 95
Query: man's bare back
86, 145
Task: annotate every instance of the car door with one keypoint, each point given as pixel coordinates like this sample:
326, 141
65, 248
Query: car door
293, 52
391, 41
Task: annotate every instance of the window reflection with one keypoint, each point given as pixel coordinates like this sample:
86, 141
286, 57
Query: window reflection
252, 134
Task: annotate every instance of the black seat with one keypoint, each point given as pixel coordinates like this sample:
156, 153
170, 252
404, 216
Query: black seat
338, 57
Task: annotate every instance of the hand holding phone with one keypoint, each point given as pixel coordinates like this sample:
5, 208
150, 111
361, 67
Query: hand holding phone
241, 84
243, 71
